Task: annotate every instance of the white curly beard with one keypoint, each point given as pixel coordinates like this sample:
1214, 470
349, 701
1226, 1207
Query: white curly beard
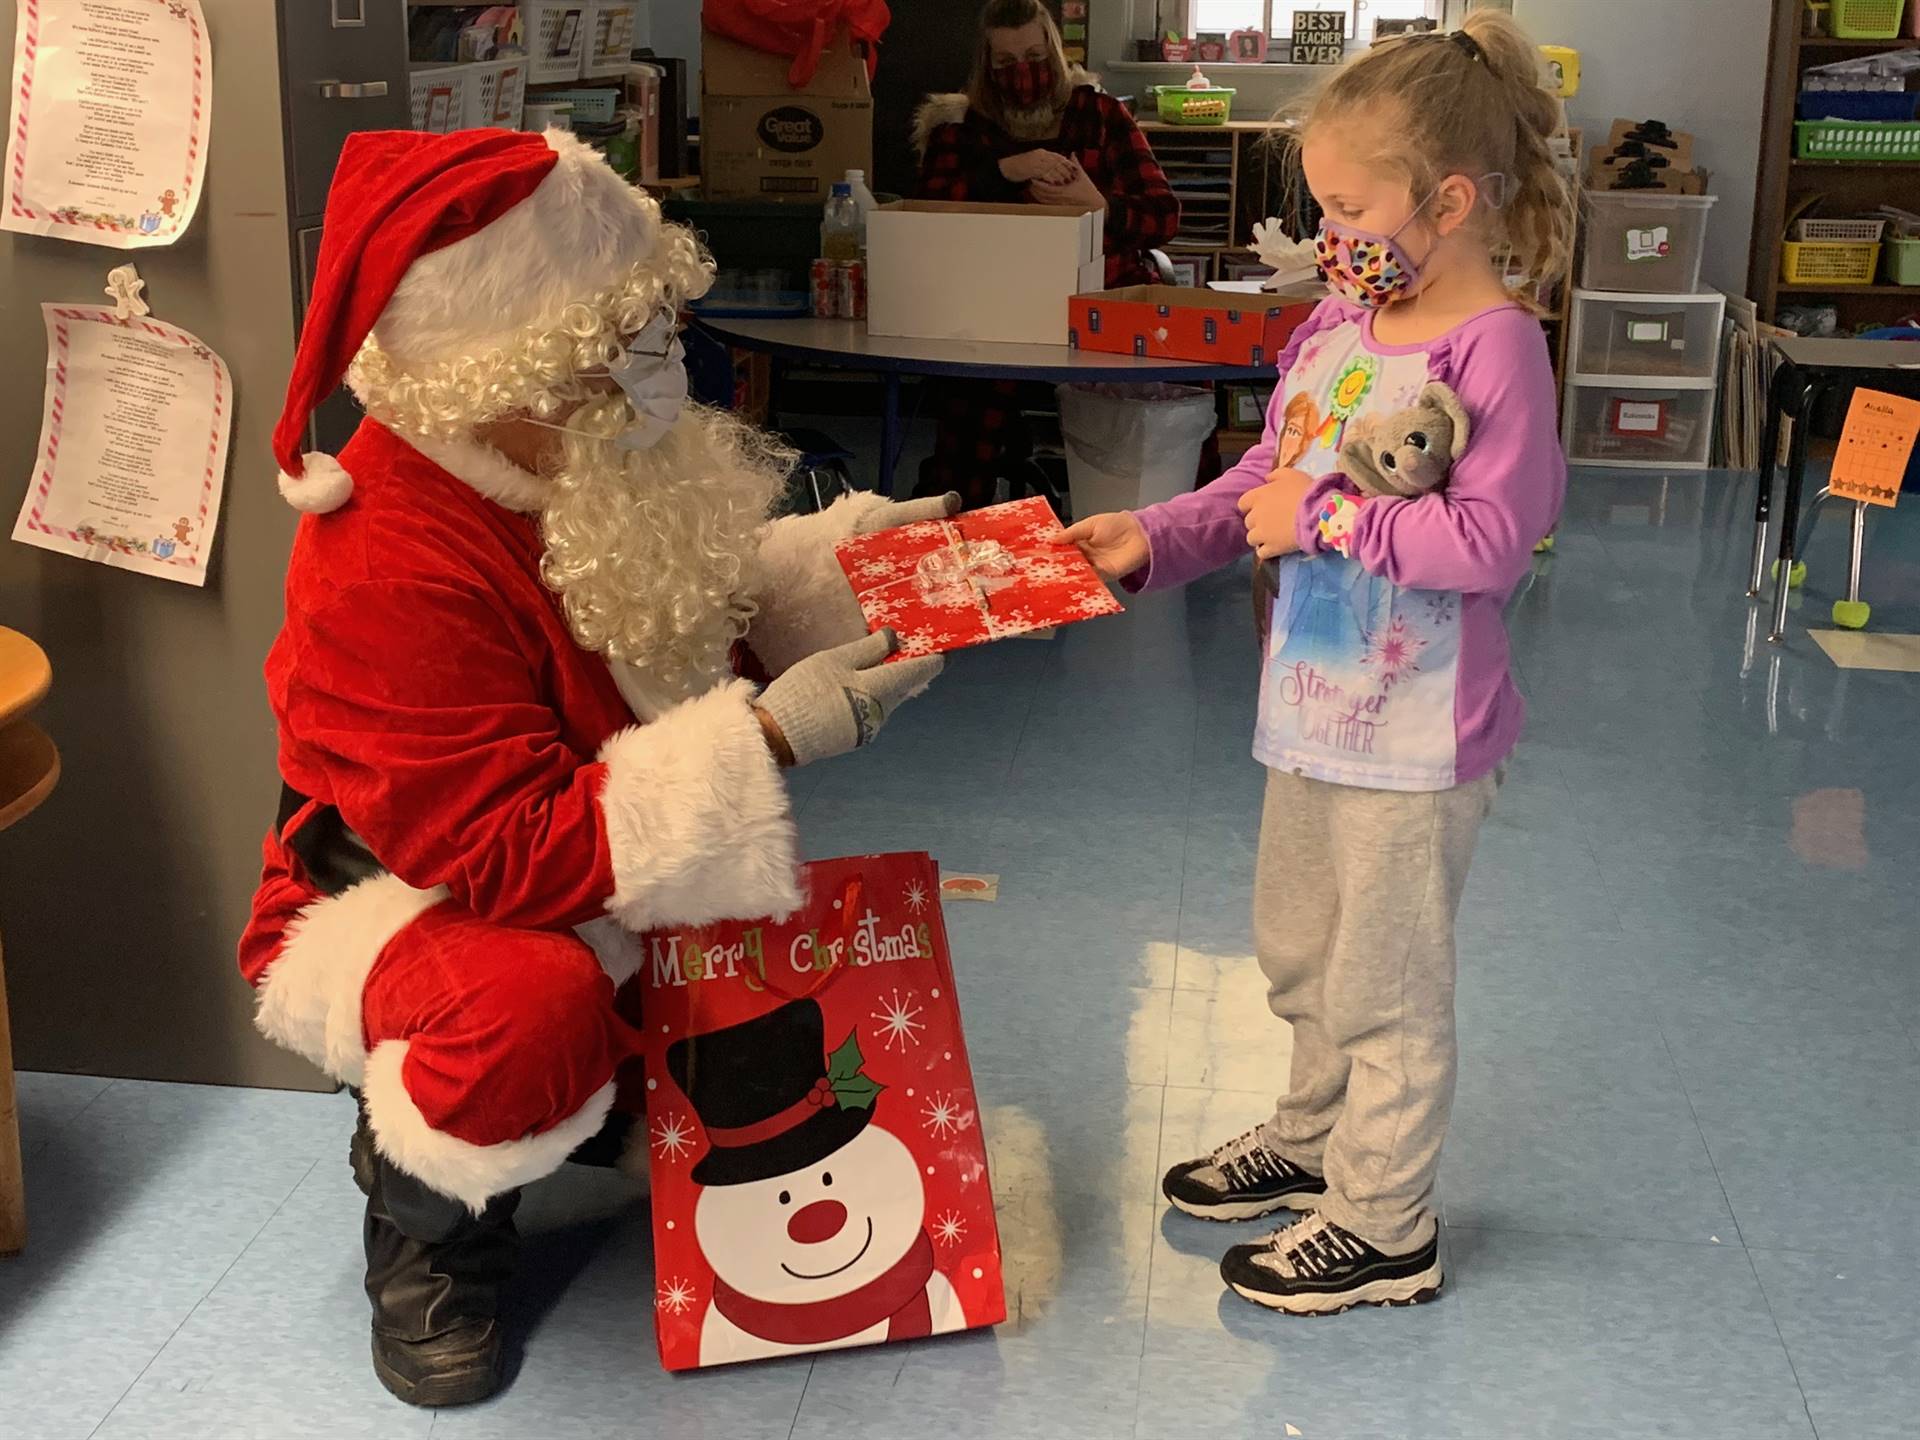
651, 551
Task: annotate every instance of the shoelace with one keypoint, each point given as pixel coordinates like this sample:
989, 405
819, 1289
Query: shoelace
1245, 1158
1314, 1246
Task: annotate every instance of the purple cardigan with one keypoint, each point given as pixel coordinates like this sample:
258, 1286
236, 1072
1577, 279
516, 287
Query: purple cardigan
1474, 539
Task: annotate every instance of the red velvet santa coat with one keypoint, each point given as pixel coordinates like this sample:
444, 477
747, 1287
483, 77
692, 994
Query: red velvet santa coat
426, 687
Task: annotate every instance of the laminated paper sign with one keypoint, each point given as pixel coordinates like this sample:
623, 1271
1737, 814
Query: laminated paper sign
111, 101
133, 444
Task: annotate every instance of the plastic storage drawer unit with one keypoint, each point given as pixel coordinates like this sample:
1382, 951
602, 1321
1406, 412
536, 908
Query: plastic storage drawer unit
1645, 241
1672, 337
1639, 426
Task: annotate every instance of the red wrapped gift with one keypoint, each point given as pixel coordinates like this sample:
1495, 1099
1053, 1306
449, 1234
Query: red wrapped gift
946, 584
819, 1176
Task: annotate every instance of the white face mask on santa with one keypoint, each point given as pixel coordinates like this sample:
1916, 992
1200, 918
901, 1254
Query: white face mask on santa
652, 374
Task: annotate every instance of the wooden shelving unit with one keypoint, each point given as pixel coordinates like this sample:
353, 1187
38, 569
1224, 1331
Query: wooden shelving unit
1845, 186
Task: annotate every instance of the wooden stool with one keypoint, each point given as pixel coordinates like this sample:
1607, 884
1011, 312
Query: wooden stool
29, 769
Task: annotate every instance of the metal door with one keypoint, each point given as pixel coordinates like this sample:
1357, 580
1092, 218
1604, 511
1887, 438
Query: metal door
345, 67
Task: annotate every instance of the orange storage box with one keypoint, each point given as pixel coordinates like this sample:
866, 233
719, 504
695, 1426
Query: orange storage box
1172, 322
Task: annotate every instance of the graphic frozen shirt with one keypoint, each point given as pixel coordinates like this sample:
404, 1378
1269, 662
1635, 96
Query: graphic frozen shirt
1360, 675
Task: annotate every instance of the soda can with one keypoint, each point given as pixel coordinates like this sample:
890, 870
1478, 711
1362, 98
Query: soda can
822, 284
854, 290
842, 291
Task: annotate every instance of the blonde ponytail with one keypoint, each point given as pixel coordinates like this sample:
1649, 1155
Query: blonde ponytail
1467, 102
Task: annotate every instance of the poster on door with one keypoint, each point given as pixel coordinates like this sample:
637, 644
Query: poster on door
133, 444
111, 102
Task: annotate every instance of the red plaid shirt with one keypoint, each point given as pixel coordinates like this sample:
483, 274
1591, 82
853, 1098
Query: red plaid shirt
963, 163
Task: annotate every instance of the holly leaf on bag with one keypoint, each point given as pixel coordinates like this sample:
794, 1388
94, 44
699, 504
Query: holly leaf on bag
853, 1089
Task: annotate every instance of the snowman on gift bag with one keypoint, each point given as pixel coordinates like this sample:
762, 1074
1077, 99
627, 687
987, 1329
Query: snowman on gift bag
811, 1215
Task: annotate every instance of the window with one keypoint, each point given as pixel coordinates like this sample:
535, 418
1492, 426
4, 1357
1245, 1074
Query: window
1226, 16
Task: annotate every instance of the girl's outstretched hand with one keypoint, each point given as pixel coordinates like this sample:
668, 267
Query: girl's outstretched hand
1114, 544
1270, 510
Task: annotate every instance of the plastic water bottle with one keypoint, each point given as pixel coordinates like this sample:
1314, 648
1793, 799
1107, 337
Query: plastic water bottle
840, 232
863, 200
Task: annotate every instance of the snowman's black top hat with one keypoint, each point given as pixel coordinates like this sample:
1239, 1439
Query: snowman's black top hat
762, 1093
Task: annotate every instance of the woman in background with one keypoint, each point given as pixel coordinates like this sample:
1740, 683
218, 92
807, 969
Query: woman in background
1031, 127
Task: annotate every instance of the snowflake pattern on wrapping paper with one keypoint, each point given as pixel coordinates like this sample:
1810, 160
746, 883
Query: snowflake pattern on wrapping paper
949, 1228
675, 1297
1051, 584
881, 569
1442, 606
916, 897
1393, 653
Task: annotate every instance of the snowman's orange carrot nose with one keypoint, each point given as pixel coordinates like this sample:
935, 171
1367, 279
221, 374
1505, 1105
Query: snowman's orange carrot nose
822, 1220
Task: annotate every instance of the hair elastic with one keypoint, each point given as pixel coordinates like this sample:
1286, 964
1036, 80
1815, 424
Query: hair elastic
1467, 43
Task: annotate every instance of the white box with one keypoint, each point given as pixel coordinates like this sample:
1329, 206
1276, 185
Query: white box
1664, 337
496, 96
610, 38
558, 34
1661, 426
439, 95
940, 270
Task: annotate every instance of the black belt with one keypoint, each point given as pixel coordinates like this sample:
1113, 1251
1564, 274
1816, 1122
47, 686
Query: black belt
334, 858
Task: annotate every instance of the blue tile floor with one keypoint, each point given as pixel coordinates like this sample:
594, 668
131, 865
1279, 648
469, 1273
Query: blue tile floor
1684, 1177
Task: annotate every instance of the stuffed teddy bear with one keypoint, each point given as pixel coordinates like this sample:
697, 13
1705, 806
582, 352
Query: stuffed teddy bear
1402, 455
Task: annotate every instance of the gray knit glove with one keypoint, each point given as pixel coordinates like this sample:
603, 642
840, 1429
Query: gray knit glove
837, 701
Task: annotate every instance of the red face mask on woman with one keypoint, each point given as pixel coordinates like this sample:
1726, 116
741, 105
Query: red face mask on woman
1025, 84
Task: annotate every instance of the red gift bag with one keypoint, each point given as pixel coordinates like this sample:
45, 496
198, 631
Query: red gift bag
819, 1177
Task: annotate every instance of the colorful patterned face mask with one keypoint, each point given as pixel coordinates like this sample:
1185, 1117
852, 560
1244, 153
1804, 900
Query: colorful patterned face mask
1368, 269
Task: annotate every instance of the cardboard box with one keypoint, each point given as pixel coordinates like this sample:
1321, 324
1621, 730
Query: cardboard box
760, 139
940, 270
643, 107
1171, 322
1680, 152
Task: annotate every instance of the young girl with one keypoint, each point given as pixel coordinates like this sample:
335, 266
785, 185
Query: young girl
1387, 710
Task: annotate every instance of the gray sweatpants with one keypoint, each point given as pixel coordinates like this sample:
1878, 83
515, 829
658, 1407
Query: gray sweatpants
1353, 908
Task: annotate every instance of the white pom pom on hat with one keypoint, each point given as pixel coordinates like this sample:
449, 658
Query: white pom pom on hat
322, 485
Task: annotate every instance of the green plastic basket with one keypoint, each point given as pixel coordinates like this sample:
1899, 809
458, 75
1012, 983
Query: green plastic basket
1867, 19
1903, 261
1171, 102
1857, 140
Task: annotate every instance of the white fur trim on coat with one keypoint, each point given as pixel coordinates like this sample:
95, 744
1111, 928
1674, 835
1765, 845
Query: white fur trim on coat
578, 233
486, 470
323, 485
805, 604
310, 998
472, 1174
698, 819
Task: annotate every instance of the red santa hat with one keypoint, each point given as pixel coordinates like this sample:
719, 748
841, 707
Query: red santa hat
442, 246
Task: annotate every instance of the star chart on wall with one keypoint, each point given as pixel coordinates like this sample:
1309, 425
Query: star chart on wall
900, 1020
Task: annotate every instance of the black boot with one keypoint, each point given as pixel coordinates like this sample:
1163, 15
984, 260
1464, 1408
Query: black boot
435, 1271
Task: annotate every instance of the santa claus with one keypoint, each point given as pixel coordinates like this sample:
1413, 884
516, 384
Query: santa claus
543, 660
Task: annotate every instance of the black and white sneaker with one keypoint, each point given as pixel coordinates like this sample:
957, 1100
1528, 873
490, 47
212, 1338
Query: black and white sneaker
1241, 1180
1313, 1267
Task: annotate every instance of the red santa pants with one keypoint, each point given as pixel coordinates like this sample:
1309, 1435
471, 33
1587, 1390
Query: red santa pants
507, 1033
